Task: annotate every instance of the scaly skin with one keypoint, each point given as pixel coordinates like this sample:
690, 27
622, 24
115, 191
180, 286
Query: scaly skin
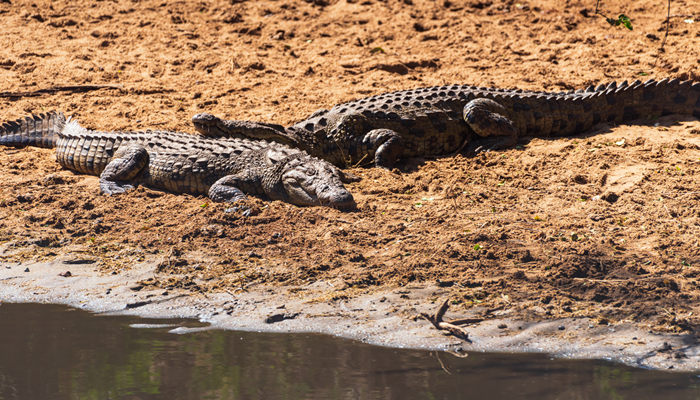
223, 169
443, 120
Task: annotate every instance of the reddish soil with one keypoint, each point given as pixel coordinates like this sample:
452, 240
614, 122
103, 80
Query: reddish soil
605, 225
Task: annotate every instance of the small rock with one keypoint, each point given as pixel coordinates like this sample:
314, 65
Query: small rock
502, 326
561, 328
66, 274
26, 270
279, 35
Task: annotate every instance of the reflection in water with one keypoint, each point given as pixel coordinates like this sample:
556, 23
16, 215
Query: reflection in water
53, 352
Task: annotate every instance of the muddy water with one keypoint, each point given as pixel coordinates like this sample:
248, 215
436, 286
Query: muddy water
54, 352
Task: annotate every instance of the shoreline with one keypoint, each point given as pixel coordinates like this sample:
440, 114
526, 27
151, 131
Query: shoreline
382, 317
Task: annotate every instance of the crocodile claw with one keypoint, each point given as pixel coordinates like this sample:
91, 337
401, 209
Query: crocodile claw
244, 210
111, 187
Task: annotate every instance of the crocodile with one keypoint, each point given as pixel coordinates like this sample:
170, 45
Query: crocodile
224, 170
443, 120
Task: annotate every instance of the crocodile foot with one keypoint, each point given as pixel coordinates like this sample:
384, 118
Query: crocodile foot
387, 145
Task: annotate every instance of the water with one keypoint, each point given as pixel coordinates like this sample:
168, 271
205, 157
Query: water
54, 352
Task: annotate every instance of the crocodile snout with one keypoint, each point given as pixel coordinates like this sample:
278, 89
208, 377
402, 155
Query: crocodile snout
204, 118
340, 199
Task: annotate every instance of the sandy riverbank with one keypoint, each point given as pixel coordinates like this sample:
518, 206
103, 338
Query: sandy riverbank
382, 318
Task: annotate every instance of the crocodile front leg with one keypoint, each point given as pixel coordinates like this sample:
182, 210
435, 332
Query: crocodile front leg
386, 145
128, 162
488, 119
226, 189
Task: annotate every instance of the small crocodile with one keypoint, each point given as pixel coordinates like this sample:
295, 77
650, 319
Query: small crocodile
182, 163
443, 120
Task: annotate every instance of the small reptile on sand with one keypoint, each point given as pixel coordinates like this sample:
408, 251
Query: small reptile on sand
182, 163
443, 120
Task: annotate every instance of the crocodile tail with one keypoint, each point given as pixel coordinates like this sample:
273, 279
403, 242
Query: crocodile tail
652, 99
39, 130
619, 103
668, 97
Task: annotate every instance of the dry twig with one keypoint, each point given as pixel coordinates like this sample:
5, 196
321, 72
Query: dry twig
451, 326
56, 89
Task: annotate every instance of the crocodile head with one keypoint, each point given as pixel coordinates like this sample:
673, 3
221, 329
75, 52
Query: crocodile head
215, 127
307, 181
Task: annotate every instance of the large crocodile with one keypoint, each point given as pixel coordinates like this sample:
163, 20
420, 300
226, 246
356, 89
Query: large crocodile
183, 163
443, 120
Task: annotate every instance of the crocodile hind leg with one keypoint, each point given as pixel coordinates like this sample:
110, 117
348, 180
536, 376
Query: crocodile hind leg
128, 162
488, 119
386, 144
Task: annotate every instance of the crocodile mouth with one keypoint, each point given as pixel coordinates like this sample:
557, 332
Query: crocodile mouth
341, 200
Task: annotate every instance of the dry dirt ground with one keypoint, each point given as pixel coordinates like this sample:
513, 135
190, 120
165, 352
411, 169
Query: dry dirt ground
605, 225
